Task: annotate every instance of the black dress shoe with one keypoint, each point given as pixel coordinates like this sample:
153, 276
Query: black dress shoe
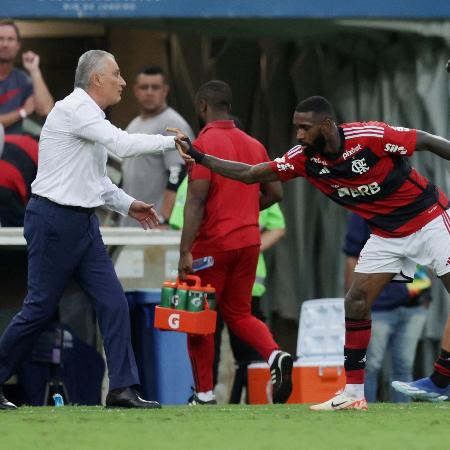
5, 404
128, 398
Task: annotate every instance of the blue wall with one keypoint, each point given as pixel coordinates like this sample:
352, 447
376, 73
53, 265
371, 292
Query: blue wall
224, 8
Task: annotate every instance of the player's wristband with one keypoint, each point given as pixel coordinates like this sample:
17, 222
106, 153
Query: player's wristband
22, 113
194, 153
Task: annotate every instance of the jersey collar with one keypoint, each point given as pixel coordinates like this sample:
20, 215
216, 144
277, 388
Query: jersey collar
224, 124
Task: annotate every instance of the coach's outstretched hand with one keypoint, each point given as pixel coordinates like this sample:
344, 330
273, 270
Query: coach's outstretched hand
144, 214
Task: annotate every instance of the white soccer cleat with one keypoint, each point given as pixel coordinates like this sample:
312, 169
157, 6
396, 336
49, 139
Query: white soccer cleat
341, 401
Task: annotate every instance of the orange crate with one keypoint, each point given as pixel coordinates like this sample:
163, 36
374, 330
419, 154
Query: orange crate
309, 384
202, 322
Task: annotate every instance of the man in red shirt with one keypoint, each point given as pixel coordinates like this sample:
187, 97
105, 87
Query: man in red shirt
221, 220
365, 168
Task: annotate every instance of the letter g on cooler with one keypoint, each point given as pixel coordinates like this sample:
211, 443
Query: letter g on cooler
174, 321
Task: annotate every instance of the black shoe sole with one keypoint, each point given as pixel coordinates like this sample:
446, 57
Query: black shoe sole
282, 394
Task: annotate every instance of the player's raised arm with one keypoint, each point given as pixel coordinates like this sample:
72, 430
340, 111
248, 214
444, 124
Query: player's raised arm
231, 169
434, 144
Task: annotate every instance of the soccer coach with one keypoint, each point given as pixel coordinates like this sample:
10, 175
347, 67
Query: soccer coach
62, 231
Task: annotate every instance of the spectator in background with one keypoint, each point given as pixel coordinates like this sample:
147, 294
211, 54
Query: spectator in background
18, 168
20, 94
398, 316
154, 178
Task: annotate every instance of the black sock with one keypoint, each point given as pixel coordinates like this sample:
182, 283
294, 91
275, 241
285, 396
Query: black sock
441, 374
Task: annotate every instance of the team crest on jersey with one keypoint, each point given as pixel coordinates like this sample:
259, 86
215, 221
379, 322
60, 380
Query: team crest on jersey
393, 148
359, 166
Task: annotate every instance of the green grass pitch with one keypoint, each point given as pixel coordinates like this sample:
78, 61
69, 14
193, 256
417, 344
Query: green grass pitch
417, 426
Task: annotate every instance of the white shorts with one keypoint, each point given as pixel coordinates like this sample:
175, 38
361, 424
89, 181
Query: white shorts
430, 246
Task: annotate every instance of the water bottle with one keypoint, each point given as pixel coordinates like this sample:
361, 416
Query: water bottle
196, 296
210, 296
195, 300
58, 399
179, 299
202, 263
168, 291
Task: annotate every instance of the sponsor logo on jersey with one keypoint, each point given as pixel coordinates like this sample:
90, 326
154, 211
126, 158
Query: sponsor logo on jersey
448, 262
282, 165
318, 160
324, 171
393, 148
364, 189
352, 151
399, 128
360, 166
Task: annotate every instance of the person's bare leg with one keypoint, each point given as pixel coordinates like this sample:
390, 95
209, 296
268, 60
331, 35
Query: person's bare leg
366, 287
358, 302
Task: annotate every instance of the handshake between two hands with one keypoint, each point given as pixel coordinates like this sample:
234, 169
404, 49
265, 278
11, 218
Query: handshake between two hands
183, 144
145, 213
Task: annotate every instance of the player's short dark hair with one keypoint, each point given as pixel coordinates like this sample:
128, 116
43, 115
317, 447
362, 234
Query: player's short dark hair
217, 94
11, 23
318, 105
152, 69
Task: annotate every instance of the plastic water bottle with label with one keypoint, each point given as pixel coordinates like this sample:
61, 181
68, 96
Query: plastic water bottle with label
58, 399
202, 263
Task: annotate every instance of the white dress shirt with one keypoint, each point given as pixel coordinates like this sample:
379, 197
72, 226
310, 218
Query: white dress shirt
73, 155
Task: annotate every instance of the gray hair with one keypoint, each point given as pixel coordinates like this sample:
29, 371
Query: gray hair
89, 62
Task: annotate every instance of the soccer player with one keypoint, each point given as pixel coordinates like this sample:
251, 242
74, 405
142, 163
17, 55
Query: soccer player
364, 167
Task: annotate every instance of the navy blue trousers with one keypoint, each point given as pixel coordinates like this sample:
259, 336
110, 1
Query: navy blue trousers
62, 243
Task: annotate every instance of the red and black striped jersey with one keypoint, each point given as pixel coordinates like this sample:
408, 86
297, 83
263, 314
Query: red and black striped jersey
372, 177
18, 167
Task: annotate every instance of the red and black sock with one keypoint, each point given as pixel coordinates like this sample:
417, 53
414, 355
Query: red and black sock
441, 374
357, 337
